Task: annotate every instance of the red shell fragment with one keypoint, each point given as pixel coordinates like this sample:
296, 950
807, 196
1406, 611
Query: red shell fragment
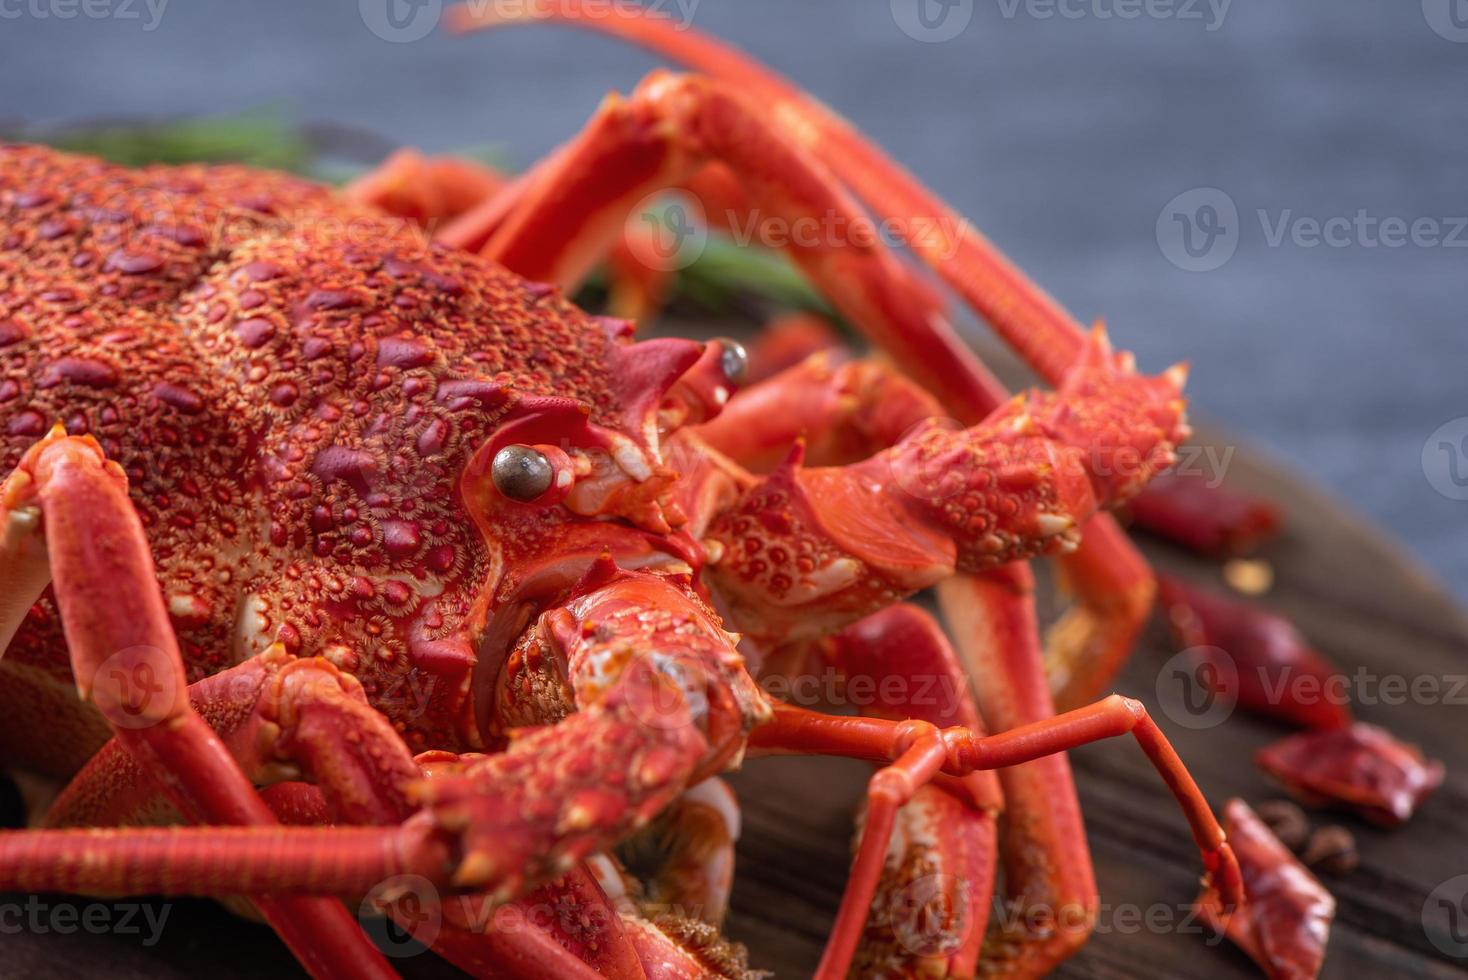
1259, 657
1284, 923
1362, 767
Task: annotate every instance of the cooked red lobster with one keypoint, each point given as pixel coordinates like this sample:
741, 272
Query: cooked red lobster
385, 569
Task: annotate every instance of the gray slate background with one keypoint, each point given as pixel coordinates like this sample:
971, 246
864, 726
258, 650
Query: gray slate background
1062, 137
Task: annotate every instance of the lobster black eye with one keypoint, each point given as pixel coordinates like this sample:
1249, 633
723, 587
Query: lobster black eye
733, 359
521, 473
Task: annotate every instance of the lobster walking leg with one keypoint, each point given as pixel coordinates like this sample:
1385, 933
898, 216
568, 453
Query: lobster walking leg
942, 855
1044, 845
662, 698
1031, 321
302, 718
1049, 885
915, 752
843, 410
125, 658
281, 719
665, 700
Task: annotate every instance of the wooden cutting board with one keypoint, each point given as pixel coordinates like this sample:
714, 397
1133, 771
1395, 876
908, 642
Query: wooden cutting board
1352, 591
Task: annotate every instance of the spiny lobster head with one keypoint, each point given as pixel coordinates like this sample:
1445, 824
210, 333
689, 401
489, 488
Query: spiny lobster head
549, 461
598, 559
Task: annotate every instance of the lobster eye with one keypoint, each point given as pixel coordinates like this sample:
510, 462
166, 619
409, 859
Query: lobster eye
733, 359
521, 473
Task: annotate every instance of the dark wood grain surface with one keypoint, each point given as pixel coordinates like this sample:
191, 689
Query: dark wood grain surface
1352, 591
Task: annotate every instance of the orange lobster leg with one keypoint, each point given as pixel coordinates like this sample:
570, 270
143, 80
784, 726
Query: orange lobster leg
206, 860
557, 802
126, 660
573, 208
844, 410
282, 717
942, 856
848, 411
521, 816
664, 699
1048, 880
914, 752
